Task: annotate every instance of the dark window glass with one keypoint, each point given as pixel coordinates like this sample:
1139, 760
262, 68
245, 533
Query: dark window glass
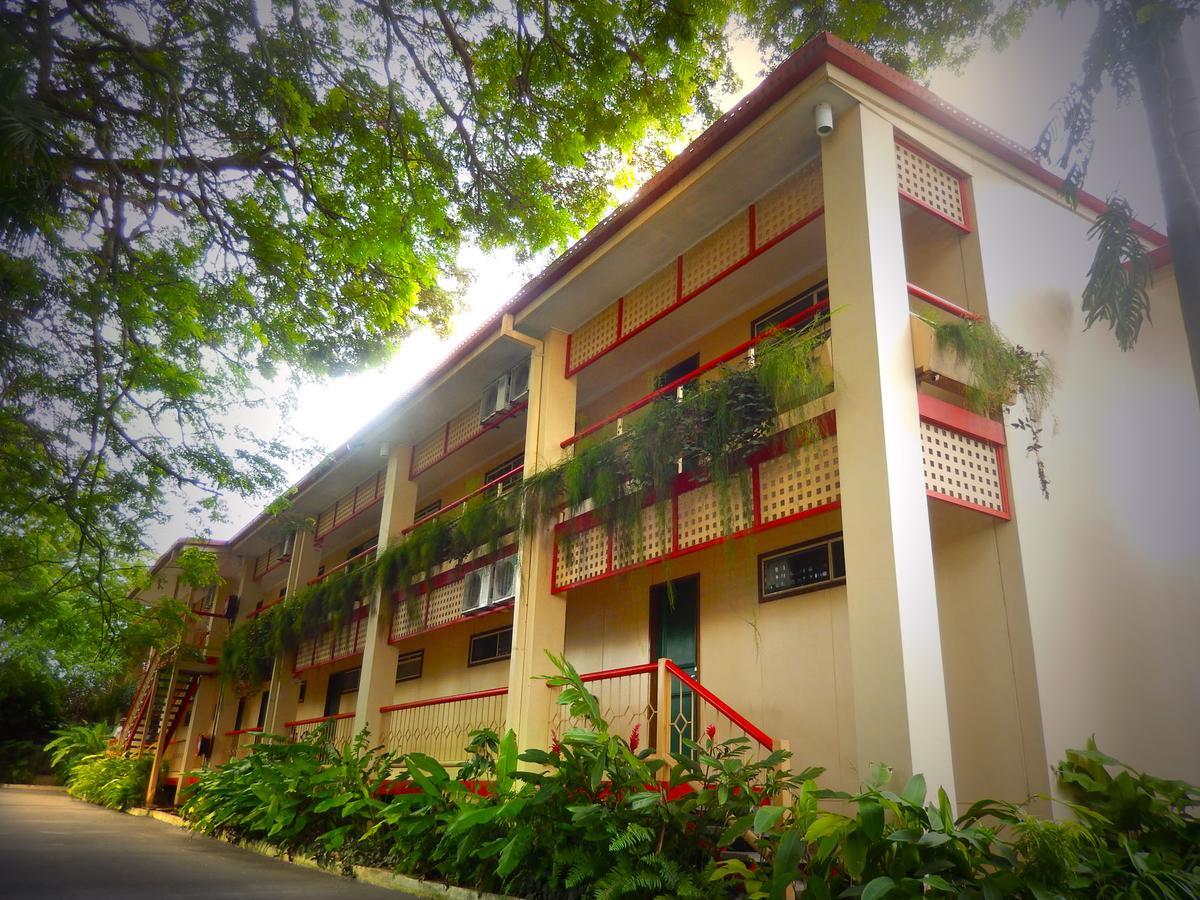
796, 569
428, 510
303, 692
503, 469
791, 308
489, 646
241, 711
409, 665
262, 709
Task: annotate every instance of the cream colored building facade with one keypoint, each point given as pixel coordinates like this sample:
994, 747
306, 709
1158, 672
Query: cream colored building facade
898, 590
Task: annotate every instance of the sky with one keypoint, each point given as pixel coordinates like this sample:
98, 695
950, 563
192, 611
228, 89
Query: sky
1012, 91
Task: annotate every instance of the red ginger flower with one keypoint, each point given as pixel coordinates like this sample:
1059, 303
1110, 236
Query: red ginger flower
555, 746
711, 731
635, 738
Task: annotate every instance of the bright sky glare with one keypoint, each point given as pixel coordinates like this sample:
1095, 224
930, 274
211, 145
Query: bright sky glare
1012, 91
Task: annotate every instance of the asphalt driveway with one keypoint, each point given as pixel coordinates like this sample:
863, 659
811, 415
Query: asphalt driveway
52, 846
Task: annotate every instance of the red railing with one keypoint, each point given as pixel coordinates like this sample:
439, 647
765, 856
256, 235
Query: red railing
941, 303
342, 566
441, 727
255, 613
465, 499
637, 696
673, 387
339, 731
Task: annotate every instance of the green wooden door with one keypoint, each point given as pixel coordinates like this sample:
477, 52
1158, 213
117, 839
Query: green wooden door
674, 630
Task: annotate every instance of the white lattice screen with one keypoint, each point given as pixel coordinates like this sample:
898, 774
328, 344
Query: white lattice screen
799, 481
924, 180
581, 556
429, 451
464, 426
594, 337
727, 245
648, 540
648, 299
700, 515
790, 202
961, 467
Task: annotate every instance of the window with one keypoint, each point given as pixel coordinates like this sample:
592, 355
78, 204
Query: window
490, 646
804, 567
262, 709
427, 510
677, 371
344, 682
408, 665
241, 711
503, 469
303, 692
792, 308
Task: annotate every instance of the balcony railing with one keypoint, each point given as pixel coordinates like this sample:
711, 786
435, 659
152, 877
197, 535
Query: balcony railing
637, 696
464, 500
337, 730
742, 352
335, 643
347, 565
441, 727
241, 741
629, 698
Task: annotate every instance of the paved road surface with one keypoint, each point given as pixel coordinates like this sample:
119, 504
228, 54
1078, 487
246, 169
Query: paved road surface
52, 846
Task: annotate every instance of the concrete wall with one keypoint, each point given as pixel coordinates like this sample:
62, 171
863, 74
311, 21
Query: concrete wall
782, 664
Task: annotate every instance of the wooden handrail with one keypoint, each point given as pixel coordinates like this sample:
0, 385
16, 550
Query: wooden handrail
673, 386
318, 719
254, 613
353, 559
643, 669
451, 698
461, 500
722, 707
941, 303
255, 730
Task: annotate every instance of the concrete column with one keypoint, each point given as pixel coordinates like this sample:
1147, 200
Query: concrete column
285, 687
225, 711
379, 657
900, 708
540, 617
203, 707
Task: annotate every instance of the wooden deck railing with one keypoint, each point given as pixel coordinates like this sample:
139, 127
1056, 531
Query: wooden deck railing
441, 727
338, 728
461, 501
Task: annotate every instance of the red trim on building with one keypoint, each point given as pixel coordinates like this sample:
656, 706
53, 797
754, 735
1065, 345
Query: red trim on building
938, 411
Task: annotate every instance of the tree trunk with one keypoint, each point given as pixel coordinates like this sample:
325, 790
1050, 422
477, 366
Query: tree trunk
1173, 114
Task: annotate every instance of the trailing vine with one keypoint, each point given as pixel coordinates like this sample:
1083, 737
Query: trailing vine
1001, 373
717, 427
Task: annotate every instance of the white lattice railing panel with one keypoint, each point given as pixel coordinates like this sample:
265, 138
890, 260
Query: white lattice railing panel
336, 731
441, 728
594, 336
582, 555
961, 467
348, 639
439, 602
795, 482
714, 255
792, 201
463, 427
429, 451
363, 495
649, 539
702, 518
929, 184
651, 298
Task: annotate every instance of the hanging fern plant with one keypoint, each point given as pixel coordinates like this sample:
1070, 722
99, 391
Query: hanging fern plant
1001, 373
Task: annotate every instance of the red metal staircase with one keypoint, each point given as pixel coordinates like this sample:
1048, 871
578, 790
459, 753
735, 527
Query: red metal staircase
152, 706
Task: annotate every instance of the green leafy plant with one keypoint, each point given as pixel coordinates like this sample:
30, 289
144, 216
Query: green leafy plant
117, 781
1002, 372
73, 743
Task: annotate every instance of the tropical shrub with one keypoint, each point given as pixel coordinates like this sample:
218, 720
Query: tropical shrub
301, 797
117, 781
73, 743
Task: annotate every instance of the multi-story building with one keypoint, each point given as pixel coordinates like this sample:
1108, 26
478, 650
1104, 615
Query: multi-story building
895, 589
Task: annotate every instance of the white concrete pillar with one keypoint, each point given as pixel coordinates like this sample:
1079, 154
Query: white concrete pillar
379, 657
285, 687
900, 708
540, 616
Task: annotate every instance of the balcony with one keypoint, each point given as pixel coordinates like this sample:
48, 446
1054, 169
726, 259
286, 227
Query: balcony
438, 601
789, 475
334, 731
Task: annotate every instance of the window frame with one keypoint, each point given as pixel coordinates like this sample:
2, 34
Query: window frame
834, 579
419, 656
504, 468
471, 661
428, 509
814, 293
